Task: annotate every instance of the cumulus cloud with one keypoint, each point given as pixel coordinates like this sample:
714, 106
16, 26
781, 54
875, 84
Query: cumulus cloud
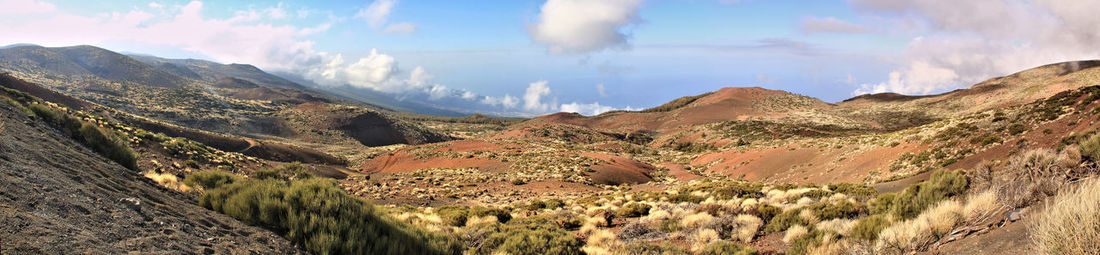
586, 109
532, 99
507, 101
831, 25
582, 26
601, 90
965, 42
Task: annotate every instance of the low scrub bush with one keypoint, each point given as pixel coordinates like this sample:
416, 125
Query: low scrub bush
105, 142
318, 215
785, 220
858, 191
868, 228
840, 210
210, 179
1090, 148
108, 144
632, 210
1070, 223
453, 215
530, 236
941, 185
726, 248
503, 216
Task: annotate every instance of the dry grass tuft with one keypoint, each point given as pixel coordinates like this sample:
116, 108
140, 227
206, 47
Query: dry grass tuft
168, 180
748, 226
917, 233
980, 206
1070, 223
794, 232
693, 221
840, 226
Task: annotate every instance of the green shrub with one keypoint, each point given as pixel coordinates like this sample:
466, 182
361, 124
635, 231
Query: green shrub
530, 236
632, 210
1016, 128
943, 184
804, 243
17, 105
108, 144
548, 204
784, 221
843, 209
686, 198
503, 216
882, 203
766, 211
453, 215
868, 228
858, 191
724, 247
318, 215
1090, 147
210, 179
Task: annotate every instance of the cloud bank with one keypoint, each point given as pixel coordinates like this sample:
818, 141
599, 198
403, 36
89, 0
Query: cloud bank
965, 42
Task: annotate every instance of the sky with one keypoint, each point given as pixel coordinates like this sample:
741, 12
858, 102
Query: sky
532, 57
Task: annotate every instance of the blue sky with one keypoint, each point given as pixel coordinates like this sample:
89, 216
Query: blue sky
591, 55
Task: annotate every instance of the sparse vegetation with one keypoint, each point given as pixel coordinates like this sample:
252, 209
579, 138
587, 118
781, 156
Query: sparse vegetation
317, 214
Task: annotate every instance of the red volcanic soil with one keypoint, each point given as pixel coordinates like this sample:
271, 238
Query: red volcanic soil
401, 161
615, 170
724, 105
679, 172
618, 170
795, 163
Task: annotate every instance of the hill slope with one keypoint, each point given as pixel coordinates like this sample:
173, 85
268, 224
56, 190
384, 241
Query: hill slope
56, 196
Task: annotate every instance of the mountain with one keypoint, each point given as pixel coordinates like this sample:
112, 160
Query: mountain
212, 72
234, 99
87, 61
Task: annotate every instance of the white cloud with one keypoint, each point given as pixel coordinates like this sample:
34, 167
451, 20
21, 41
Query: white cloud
373, 71
419, 77
507, 101
830, 25
155, 5
437, 92
601, 90
965, 42
586, 109
400, 28
468, 95
377, 12
582, 26
532, 99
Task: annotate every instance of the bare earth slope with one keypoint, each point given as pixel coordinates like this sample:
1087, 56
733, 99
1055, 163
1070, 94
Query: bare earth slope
56, 196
